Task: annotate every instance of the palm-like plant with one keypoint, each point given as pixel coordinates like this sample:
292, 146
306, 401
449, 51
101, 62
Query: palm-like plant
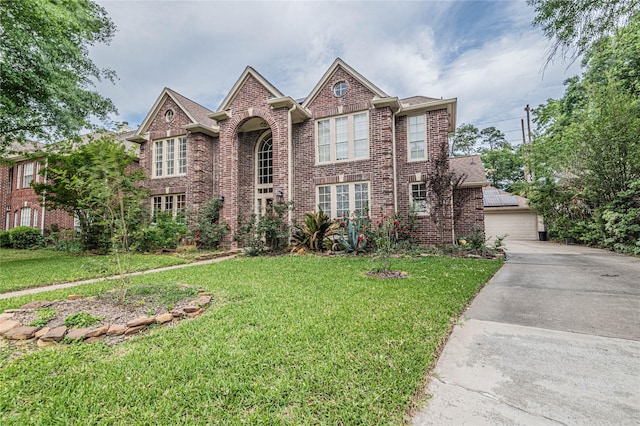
313, 232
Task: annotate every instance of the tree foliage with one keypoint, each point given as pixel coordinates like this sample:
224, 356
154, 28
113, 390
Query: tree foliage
45, 71
576, 25
586, 152
96, 182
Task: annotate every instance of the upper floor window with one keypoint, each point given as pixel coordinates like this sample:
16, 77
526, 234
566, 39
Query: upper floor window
27, 175
343, 138
340, 89
170, 157
417, 145
339, 200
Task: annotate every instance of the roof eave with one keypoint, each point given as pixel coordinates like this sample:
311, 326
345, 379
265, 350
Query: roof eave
450, 105
391, 102
138, 138
298, 112
201, 128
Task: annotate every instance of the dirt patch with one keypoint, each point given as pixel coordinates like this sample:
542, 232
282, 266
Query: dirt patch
387, 274
113, 307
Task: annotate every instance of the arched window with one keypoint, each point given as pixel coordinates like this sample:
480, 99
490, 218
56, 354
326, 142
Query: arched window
264, 173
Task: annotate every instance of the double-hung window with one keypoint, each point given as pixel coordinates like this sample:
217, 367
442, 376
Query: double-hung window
342, 199
418, 198
173, 203
417, 145
27, 175
25, 216
343, 138
170, 157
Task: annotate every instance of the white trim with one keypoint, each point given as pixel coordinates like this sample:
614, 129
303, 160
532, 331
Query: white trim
333, 195
261, 198
339, 63
424, 138
412, 203
351, 141
177, 141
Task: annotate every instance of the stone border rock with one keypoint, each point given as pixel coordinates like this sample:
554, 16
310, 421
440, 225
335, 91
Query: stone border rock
12, 330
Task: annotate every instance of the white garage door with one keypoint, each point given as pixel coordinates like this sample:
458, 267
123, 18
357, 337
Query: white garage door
520, 226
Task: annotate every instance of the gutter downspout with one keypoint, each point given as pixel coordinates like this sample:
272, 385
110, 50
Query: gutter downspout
395, 160
44, 198
290, 159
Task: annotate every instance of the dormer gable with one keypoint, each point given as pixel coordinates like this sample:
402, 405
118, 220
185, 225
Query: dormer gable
340, 72
197, 115
247, 75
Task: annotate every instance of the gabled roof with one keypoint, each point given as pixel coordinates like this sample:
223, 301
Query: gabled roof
470, 167
415, 100
198, 114
339, 63
249, 71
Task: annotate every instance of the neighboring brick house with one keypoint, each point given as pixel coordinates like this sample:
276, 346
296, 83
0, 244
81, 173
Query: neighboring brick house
346, 146
18, 201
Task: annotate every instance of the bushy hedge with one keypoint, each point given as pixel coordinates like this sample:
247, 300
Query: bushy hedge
4, 239
165, 233
25, 237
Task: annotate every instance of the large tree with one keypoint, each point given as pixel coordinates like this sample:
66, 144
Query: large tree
575, 25
587, 152
46, 75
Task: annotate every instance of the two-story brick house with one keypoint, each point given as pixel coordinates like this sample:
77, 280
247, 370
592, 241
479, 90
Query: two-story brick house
346, 146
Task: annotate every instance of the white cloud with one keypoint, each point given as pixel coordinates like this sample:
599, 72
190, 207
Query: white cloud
484, 53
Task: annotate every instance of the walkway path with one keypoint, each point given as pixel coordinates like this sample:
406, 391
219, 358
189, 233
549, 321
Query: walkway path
553, 339
95, 280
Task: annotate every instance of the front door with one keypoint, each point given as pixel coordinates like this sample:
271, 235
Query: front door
264, 173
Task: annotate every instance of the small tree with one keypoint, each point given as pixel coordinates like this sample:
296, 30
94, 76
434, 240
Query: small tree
441, 183
98, 183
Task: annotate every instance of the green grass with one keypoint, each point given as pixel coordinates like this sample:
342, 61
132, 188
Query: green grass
287, 340
21, 269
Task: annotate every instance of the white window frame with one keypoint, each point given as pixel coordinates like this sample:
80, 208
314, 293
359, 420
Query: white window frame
334, 194
416, 135
176, 203
422, 207
334, 145
25, 216
169, 157
28, 171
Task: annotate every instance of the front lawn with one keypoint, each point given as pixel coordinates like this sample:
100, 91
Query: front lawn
20, 269
287, 340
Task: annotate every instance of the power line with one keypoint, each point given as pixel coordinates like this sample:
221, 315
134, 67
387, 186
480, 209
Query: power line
498, 121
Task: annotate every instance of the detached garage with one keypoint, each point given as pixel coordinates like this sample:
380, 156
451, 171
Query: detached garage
505, 213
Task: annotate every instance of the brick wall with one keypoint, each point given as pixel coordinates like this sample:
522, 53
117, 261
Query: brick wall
471, 217
436, 124
202, 158
26, 197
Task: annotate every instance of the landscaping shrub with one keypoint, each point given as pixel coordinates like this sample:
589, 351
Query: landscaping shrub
25, 237
5, 241
207, 230
165, 233
354, 238
315, 231
266, 233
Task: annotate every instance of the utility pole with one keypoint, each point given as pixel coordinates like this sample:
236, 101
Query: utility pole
528, 147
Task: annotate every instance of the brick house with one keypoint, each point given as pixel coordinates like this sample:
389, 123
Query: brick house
19, 203
346, 146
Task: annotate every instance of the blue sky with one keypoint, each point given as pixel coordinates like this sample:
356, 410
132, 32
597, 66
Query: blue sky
485, 53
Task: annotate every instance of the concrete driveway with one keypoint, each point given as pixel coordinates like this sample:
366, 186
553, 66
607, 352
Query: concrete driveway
553, 339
